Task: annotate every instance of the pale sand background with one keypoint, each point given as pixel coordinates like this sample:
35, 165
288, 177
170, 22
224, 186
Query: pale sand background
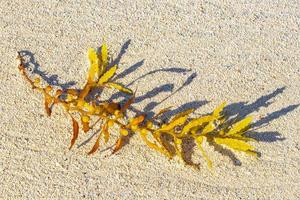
241, 52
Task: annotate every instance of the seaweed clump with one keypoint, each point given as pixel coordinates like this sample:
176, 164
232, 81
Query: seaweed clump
214, 128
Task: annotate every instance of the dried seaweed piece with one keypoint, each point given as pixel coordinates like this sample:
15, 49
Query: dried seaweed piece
107, 75
118, 145
212, 128
112, 107
94, 71
173, 124
137, 120
75, 131
152, 145
83, 93
106, 133
96, 145
195, 123
240, 126
234, 144
119, 87
217, 112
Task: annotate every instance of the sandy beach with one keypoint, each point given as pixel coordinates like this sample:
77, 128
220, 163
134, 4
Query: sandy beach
185, 54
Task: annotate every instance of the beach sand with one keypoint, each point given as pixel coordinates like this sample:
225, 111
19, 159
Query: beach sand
196, 53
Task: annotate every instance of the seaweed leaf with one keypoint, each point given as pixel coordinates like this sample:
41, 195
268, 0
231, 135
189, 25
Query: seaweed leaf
240, 126
118, 145
196, 122
75, 131
234, 144
107, 75
119, 87
152, 145
218, 110
176, 122
104, 57
94, 65
96, 145
106, 133
137, 120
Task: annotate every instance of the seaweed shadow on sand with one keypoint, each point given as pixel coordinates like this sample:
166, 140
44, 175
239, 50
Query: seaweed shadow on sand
233, 113
32, 65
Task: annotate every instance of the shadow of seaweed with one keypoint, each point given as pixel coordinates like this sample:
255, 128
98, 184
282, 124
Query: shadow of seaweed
242, 109
190, 105
129, 70
225, 152
170, 70
123, 50
187, 152
235, 111
275, 115
150, 94
150, 106
52, 80
154, 92
267, 136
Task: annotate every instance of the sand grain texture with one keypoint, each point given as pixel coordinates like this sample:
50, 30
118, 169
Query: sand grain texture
244, 53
